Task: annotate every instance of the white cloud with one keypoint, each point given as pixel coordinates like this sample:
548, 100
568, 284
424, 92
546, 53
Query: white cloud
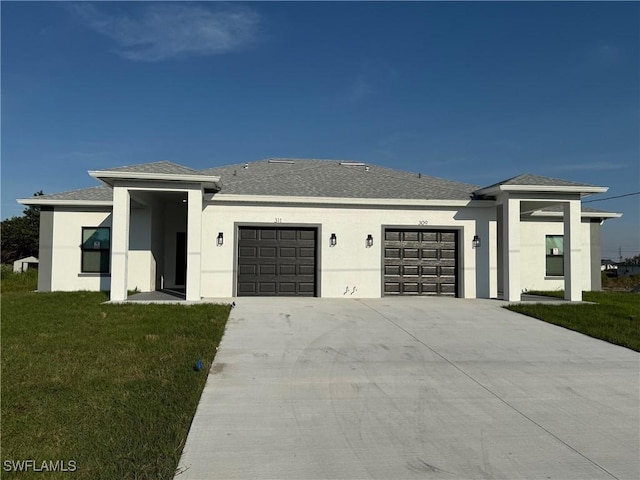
164, 31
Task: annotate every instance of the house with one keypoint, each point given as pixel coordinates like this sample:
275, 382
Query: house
317, 228
23, 264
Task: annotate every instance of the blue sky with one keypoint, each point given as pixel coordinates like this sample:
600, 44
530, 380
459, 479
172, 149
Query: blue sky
476, 92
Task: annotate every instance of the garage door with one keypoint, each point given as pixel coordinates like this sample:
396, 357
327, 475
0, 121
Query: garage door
276, 261
420, 262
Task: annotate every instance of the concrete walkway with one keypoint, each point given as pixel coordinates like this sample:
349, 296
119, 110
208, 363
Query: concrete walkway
404, 388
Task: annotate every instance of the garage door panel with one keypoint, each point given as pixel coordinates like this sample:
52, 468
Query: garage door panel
410, 253
411, 236
248, 252
287, 270
309, 235
392, 236
265, 234
411, 270
306, 269
392, 253
288, 252
267, 252
267, 269
420, 262
287, 234
276, 261
306, 252
392, 270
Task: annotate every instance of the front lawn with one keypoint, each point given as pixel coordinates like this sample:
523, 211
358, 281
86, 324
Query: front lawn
110, 387
615, 317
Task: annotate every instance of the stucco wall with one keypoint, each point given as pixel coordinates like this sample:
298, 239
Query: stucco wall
533, 254
66, 255
348, 264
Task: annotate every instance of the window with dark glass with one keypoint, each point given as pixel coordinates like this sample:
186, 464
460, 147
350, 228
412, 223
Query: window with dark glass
95, 249
555, 255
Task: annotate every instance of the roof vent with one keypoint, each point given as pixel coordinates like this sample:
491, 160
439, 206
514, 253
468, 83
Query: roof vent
246, 165
353, 164
366, 168
290, 162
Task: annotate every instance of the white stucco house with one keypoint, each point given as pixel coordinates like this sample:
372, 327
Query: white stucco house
320, 228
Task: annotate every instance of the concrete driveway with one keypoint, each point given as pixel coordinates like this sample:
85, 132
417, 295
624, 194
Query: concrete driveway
404, 388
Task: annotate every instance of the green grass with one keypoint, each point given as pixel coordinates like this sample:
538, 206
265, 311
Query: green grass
614, 316
18, 282
111, 387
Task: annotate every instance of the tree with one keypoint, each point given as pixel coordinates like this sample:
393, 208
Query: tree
20, 235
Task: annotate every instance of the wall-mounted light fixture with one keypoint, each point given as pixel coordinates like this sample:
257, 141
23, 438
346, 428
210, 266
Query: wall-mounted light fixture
369, 240
333, 240
475, 243
220, 239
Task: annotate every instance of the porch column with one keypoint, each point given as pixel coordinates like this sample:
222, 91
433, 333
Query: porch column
572, 251
194, 243
120, 243
511, 249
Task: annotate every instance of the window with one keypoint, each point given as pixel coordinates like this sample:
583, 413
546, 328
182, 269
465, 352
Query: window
555, 255
95, 249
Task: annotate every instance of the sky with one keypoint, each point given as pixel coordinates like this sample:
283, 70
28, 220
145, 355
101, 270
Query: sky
474, 92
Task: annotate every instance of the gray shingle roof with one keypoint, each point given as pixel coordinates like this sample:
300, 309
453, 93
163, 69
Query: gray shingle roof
328, 178
164, 167
530, 179
100, 193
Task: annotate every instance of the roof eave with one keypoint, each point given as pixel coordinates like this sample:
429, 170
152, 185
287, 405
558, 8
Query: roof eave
540, 213
63, 202
109, 177
583, 190
228, 197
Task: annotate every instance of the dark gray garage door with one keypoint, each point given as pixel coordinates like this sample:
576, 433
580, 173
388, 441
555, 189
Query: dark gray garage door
420, 262
276, 261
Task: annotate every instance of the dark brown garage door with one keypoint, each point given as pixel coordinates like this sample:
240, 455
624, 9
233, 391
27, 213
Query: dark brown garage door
420, 262
276, 261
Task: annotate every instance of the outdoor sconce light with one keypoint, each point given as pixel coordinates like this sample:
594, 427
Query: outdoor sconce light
475, 243
220, 239
369, 240
333, 240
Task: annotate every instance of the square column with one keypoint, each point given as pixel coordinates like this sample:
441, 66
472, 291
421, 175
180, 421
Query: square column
120, 243
511, 249
194, 244
572, 251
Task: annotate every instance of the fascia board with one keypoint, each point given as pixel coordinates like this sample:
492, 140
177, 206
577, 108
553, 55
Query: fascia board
101, 175
583, 214
583, 190
234, 198
88, 203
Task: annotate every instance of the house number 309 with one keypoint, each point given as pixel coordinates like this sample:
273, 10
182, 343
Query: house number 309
423, 222
278, 220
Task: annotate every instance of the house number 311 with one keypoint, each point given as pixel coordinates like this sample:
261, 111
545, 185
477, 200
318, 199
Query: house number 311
278, 220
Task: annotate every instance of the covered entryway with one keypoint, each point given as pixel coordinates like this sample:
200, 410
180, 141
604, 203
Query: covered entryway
420, 262
276, 261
